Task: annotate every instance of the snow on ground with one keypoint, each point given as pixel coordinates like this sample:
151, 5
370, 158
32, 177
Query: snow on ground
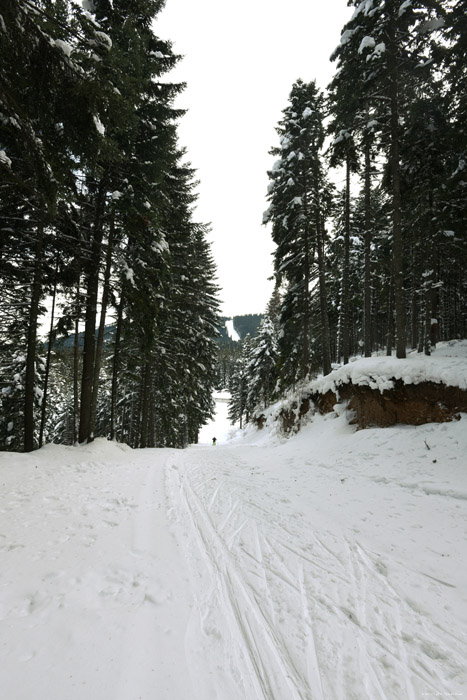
447, 365
331, 566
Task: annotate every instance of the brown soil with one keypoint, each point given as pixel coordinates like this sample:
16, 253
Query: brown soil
413, 404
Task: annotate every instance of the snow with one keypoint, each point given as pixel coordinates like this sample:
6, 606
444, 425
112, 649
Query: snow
347, 34
307, 112
64, 46
231, 332
404, 7
341, 136
379, 49
104, 39
277, 165
366, 6
327, 566
372, 124
447, 365
220, 427
367, 43
4, 158
129, 274
99, 125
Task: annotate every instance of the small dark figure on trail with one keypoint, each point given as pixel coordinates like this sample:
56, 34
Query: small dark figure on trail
214, 440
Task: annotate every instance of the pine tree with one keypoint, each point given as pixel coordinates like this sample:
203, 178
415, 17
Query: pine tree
239, 406
262, 367
300, 198
387, 46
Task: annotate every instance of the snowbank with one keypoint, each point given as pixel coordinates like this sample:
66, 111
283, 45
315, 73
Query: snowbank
447, 365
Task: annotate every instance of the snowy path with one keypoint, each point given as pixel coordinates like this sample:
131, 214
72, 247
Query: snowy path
330, 567
92, 587
296, 603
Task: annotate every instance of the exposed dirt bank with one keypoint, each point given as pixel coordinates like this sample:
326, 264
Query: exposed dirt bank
412, 404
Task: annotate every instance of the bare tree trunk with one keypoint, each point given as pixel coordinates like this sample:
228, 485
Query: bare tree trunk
49, 355
76, 371
100, 334
31, 344
152, 418
434, 328
346, 266
367, 283
325, 334
389, 340
145, 404
397, 245
306, 293
85, 433
116, 365
429, 279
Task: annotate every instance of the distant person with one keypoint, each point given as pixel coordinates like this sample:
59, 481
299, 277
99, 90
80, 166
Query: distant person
214, 440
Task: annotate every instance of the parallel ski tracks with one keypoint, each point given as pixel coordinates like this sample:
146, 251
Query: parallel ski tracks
263, 570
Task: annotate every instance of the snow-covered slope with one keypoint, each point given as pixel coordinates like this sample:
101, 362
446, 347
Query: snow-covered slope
231, 332
331, 566
446, 365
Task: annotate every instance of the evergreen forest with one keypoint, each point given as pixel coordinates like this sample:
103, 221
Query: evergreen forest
96, 219
367, 208
379, 262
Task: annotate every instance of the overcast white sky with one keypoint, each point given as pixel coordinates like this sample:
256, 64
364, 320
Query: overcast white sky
240, 61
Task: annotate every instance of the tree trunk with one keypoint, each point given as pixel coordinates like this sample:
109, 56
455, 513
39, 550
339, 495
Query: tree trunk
429, 278
49, 355
31, 344
346, 266
100, 334
145, 404
325, 334
397, 244
85, 433
116, 365
367, 282
152, 418
389, 340
306, 292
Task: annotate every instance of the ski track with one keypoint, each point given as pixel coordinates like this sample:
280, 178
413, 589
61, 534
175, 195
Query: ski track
274, 582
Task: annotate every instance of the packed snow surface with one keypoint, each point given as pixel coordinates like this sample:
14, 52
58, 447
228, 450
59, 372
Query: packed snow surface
331, 566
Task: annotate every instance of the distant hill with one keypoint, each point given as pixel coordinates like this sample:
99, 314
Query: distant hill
69, 340
247, 323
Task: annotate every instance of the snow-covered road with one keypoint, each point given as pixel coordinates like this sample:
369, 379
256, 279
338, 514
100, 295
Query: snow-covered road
330, 566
